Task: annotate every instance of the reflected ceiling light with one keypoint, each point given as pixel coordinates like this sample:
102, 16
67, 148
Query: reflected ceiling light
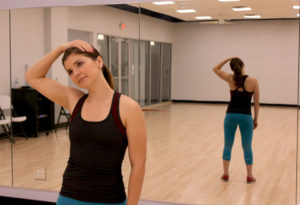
186, 11
252, 16
163, 2
241, 8
296, 7
203, 17
298, 15
228, 0
152, 43
100, 37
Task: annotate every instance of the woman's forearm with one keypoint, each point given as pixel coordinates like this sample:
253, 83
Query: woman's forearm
40, 69
256, 111
135, 184
220, 65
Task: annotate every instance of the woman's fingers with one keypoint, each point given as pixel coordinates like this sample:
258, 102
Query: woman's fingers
82, 45
255, 124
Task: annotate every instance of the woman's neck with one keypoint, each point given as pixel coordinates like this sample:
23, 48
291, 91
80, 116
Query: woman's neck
100, 90
243, 71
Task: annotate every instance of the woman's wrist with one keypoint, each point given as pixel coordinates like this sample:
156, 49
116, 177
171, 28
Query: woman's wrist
61, 48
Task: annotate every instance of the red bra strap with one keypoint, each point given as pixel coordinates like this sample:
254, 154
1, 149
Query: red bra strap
78, 106
116, 114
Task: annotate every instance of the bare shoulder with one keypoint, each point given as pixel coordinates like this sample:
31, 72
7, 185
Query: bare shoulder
252, 80
128, 104
129, 109
74, 96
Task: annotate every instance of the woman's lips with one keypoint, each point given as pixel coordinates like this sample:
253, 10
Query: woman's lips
81, 79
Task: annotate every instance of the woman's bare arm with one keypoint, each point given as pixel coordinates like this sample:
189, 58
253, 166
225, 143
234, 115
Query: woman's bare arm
56, 92
222, 74
256, 104
136, 134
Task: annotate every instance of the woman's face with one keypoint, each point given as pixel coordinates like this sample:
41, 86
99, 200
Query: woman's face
83, 70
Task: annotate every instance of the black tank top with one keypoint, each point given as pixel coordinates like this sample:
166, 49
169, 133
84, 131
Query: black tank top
93, 173
240, 101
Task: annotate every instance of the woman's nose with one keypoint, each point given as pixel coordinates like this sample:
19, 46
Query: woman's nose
76, 72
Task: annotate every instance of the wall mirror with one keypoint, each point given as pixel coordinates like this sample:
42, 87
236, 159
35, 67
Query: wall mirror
158, 56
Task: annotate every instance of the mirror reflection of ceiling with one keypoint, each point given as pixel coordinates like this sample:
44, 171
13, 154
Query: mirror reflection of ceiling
222, 10
16, 4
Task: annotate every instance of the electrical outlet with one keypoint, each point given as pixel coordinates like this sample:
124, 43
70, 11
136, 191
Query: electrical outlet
40, 173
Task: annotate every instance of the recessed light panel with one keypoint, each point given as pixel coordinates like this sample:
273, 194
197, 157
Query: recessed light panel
203, 17
186, 11
163, 2
241, 8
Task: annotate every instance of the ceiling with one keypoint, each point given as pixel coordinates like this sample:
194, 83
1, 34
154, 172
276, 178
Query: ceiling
267, 9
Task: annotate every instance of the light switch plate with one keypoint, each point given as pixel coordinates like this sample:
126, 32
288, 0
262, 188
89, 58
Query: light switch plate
40, 173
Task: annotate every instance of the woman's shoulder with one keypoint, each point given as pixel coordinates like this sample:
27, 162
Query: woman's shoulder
128, 103
251, 79
74, 96
129, 109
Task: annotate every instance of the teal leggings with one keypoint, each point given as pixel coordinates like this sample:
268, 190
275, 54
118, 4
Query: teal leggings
63, 200
245, 123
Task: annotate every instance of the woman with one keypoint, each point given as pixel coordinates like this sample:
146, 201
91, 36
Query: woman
242, 87
103, 123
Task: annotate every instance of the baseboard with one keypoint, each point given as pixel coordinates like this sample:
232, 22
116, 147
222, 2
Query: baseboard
11, 200
226, 102
11, 195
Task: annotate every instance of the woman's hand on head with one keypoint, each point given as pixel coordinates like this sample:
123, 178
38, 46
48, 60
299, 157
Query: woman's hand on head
82, 45
230, 58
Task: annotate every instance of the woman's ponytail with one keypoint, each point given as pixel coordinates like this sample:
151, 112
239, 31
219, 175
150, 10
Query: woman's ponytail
108, 77
237, 65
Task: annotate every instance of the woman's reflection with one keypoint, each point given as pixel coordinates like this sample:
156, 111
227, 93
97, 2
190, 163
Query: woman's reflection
103, 124
242, 87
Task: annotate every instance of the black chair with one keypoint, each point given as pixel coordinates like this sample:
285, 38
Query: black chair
63, 112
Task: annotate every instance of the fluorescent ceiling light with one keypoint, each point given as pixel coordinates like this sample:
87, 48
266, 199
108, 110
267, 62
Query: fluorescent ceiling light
163, 2
296, 7
228, 0
186, 11
241, 8
100, 37
152, 43
203, 17
298, 15
252, 16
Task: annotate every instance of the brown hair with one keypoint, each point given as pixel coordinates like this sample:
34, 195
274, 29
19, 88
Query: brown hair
93, 55
237, 65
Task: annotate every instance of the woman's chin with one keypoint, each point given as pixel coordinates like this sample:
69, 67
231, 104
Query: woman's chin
82, 85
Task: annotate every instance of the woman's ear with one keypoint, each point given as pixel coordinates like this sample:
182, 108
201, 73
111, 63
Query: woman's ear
100, 61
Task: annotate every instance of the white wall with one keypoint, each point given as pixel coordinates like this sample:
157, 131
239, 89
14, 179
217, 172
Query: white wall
4, 52
37, 31
27, 41
106, 20
269, 50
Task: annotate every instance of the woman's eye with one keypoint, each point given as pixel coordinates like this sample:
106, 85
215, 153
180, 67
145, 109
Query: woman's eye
70, 72
79, 64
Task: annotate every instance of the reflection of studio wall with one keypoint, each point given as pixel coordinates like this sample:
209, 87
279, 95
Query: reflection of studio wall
28, 41
36, 31
4, 52
268, 48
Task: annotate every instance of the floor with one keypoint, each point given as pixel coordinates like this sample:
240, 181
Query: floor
184, 164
